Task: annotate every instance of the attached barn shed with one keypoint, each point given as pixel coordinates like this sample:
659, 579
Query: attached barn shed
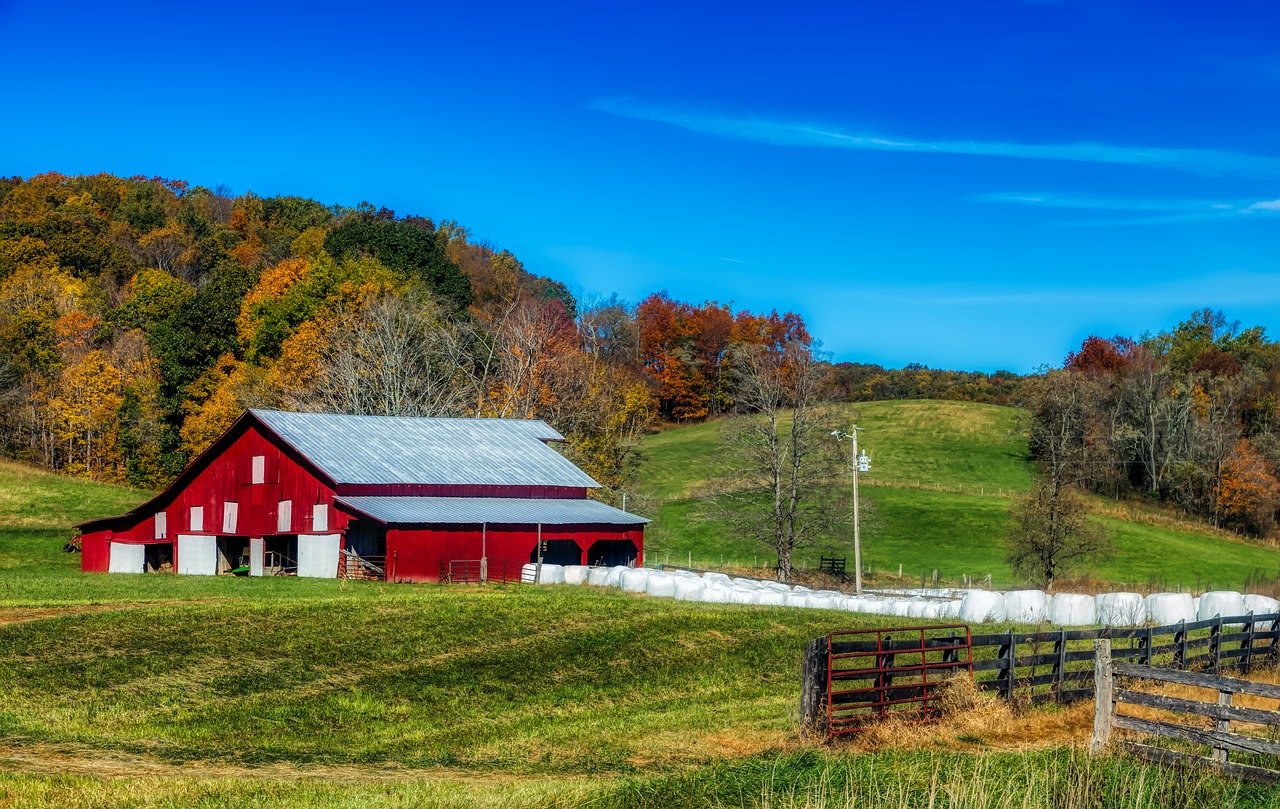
381, 497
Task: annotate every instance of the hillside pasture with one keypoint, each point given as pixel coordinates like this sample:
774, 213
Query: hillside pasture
943, 483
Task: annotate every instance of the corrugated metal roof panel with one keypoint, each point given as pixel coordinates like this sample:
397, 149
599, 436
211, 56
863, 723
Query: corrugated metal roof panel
492, 510
403, 449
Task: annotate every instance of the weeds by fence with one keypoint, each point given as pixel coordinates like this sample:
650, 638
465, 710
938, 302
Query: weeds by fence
1056, 666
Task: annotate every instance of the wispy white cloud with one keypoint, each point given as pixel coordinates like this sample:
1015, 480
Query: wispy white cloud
778, 132
1159, 210
734, 260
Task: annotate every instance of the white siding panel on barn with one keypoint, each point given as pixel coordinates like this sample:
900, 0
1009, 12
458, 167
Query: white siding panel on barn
259, 468
162, 525
284, 516
197, 519
318, 556
256, 549
127, 558
197, 556
320, 517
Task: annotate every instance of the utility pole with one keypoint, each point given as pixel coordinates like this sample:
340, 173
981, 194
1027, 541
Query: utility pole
857, 539
857, 463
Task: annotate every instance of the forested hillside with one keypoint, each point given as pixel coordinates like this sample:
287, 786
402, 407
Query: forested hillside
139, 316
1188, 416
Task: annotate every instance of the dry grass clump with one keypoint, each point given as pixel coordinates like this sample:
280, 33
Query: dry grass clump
974, 719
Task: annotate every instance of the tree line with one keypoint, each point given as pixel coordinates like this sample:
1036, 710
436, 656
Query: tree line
140, 316
1187, 417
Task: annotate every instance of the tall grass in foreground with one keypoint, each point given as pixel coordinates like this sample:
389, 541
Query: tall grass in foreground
1051, 779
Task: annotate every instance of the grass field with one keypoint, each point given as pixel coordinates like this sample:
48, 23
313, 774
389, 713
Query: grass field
943, 481
174, 691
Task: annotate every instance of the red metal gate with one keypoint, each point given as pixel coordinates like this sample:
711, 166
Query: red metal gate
873, 673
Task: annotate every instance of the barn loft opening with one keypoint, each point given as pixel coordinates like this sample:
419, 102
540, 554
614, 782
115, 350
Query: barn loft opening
611, 552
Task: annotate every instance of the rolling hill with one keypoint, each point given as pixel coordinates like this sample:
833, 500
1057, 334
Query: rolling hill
944, 479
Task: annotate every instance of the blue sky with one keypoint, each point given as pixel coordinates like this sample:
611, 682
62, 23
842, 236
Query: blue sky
968, 185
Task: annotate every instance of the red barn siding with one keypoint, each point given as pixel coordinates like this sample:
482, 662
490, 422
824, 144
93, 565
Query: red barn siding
95, 551
416, 553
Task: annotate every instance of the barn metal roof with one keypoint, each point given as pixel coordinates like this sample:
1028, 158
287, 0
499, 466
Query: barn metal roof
492, 510
404, 449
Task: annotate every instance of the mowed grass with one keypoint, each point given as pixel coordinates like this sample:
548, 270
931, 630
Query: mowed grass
944, 480
172, 691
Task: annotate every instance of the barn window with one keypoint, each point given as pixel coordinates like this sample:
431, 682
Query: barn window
320, 517
162, 525
284, 516
197, 518
230, 514
259, 468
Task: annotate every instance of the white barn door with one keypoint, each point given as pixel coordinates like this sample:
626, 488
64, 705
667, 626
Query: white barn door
197, 555
127, 558
318, 556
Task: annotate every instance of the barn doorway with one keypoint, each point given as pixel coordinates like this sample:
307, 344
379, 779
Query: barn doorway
558, 552
158, 558
612, 552
233, 556
280, 555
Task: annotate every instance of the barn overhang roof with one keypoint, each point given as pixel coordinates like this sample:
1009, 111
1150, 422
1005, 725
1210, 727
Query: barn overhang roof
489, 510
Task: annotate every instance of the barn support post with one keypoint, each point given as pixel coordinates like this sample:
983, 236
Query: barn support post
484, 552
537, 570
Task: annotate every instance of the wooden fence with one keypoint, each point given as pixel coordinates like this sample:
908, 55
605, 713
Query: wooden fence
1058, 666
1262, 763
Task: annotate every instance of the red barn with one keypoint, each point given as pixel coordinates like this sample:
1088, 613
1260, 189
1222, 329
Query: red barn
394, 498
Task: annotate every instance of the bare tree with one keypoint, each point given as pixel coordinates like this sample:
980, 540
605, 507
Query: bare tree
1051, 532
779, 455
392, 357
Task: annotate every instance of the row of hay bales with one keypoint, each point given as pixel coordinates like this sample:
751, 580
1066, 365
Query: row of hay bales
969, 606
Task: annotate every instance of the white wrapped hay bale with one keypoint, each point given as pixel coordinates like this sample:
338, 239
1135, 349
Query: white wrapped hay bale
552, 574
1165, 609
776, 586
614, 579
689, 588
598, 577
635, 580
1121, 609
795, 599
713, 577
747, 584
660, 584
772, 597
741, 596
1260, 605
1026, 606
1072, 609
715, 595
821, 601
950, 609
978, 606
1226, 603
576, 574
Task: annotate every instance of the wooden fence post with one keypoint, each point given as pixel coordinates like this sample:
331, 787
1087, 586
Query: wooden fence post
1246, 645
1060, 665
1275, 641
1102, 690
1180, 642
1215, 644
813, 687
1222, 725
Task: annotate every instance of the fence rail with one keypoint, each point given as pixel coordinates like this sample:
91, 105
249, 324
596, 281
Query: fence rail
1059, 666
1220, 739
